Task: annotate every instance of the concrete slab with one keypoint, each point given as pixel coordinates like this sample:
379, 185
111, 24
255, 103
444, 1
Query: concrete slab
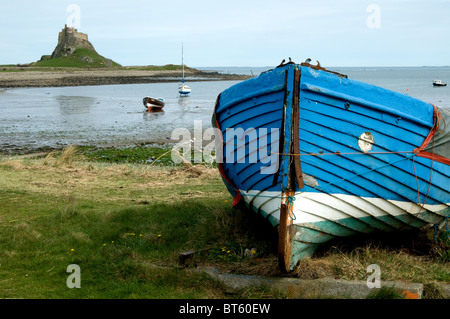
330, 288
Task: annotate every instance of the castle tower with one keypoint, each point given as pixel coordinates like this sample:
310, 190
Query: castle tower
69, 40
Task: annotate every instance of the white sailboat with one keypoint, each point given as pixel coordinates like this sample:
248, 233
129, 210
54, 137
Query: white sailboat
183, 89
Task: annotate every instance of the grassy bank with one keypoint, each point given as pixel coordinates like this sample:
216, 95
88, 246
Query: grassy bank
160, 156
80, 58
80, 61
125, 222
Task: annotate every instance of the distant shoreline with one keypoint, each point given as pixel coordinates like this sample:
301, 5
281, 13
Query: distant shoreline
17, 77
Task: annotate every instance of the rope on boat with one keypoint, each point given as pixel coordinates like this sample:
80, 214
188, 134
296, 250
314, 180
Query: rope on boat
438, 121
291, 200
313, 154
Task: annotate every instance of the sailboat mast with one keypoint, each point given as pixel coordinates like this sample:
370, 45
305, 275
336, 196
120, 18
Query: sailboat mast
182, 64
183, 89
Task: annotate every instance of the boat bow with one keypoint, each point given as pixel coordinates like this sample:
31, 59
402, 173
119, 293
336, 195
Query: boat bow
322, 156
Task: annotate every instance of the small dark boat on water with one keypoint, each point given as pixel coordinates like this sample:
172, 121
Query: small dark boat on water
153, 104
438, 82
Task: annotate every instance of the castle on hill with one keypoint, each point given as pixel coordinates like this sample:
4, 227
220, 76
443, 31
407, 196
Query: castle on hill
69, 40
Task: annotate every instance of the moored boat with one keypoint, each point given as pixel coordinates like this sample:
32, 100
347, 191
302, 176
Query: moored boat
438, 82
183, 88
322, 156
153, 104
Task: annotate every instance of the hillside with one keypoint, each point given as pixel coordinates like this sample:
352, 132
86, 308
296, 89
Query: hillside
80, 58
74, 50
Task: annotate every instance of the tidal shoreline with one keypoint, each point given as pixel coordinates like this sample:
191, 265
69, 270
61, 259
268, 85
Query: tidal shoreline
30, 149
28, 133
56, 77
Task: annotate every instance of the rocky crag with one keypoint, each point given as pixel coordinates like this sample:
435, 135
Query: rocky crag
69, 40
74, 50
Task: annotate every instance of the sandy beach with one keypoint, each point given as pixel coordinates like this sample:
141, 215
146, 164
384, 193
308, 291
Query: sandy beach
27, 77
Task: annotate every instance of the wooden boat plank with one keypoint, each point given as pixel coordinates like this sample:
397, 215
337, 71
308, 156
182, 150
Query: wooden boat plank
352, 190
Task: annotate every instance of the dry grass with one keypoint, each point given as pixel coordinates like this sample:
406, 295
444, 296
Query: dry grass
67, 173
395, 264
66, 180
65, 158
315, 268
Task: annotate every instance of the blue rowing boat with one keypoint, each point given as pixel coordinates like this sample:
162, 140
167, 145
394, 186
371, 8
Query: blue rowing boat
322, 156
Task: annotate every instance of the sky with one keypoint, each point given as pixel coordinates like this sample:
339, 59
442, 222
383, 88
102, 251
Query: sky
235, 32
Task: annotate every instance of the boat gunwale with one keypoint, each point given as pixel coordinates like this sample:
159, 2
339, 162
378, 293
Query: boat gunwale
364, 103
253, 94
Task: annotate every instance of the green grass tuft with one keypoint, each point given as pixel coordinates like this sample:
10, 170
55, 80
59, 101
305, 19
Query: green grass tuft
80, 58
160, 156
385, 293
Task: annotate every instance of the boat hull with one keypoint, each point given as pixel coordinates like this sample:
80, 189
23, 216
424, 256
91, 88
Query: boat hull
154, 108
322, 157
153, 104
184, 89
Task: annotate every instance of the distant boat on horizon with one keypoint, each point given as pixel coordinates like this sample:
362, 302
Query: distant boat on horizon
438, 82
183, 88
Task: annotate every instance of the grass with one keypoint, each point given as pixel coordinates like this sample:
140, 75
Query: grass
385, 293
125, 223
160, 156
118, 254
167, 67
83, 61
80, 58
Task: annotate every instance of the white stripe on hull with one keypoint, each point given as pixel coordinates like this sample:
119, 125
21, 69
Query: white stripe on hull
317, 207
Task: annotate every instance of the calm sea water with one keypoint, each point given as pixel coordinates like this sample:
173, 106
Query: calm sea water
32, 118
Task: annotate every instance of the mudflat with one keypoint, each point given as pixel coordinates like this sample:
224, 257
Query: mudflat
29, 77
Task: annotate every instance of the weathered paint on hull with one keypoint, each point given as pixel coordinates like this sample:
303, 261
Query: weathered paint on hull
318, 218
357, 172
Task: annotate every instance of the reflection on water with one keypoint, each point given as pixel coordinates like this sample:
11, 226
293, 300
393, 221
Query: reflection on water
70, 105
184, 100
152, 115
